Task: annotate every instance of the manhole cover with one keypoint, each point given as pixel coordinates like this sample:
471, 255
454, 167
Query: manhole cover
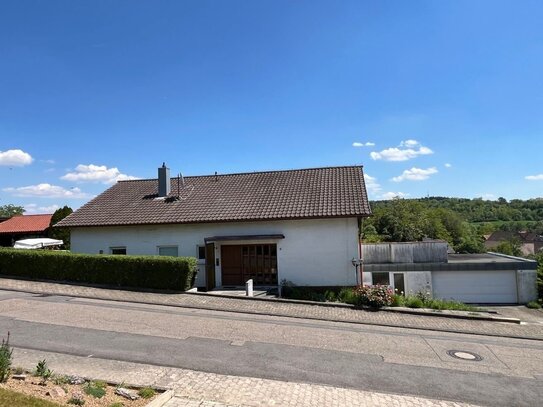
465, 355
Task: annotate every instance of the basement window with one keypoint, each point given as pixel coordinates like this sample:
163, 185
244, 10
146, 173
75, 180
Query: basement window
118, 250
380, 278
168, 251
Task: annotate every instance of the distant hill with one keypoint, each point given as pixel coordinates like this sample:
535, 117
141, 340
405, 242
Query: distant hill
479, 210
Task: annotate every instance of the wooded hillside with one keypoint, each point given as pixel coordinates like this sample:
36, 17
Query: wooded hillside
462, 222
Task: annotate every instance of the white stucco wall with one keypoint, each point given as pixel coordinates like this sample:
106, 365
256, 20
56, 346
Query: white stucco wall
313, 252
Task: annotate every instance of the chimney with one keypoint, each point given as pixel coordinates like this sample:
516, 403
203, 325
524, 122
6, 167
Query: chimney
163, 181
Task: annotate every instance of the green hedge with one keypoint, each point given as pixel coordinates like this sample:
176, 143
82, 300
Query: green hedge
171, 273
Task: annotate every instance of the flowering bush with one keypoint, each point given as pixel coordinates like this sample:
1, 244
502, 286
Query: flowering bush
374, 296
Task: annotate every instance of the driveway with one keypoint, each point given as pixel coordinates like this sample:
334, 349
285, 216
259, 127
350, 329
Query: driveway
526, 315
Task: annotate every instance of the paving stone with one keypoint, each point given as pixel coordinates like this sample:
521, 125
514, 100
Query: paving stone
283, 309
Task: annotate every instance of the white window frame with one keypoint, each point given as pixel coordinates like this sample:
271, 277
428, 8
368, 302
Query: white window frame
167, 246
111, 248
200, 261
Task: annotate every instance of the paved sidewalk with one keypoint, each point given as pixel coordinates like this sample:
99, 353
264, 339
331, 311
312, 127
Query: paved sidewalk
195, 389
283, 309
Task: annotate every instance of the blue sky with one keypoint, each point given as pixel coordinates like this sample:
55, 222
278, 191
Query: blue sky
448, 94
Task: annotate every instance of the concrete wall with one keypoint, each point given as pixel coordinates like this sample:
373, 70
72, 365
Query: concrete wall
526, 286
313, 252
418, 281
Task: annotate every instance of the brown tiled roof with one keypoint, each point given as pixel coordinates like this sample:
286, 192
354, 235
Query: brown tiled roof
273, 195
26, 224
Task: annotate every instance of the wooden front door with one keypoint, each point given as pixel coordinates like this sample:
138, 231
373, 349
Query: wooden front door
232, 273
254, 261
210, 266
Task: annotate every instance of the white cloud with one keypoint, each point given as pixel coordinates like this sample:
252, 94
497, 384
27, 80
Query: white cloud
407, 150
47, 191
447, 165
15, 158
392, 195
416, 174
48, 161
366, 144
409, 143
538, 177
371, 184
96, 173
34, 208
487, 197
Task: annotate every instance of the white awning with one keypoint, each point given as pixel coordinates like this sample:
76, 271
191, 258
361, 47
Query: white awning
36, 243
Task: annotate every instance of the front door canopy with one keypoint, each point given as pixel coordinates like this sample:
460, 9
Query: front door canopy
243, 237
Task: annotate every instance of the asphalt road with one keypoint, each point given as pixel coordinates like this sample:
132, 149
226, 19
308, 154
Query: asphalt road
394, 360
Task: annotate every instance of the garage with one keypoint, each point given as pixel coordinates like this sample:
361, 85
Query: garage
482, 287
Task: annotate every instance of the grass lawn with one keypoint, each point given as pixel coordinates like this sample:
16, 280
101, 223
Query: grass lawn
14, 399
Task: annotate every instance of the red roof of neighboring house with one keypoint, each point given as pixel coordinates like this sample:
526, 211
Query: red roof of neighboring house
26, 224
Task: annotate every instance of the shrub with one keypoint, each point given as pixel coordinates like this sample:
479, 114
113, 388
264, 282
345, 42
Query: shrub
174, 273
347, 295
95, 391
534, 305
18, 370
374, 296
60, 380
398, 300
5, 360
116, 404
289, 290
146, 393
330, 296
41, 368
76, 401
413, 301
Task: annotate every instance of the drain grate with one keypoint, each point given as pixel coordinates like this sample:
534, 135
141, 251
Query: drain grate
465, 355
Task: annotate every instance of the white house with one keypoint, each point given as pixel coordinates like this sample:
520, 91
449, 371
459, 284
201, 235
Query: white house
298, 225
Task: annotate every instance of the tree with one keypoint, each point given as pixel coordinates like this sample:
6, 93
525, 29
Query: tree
509, 247
60, 233
7, 211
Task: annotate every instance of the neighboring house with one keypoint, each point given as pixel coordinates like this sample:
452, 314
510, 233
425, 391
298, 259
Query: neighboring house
472, 278
530, 243
296, 225
23, 227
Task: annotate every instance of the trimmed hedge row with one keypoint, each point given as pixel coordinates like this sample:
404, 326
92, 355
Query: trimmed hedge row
171, 273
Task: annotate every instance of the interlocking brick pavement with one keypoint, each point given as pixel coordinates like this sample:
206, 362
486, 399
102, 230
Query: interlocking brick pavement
197, 389
201, 389
283, 309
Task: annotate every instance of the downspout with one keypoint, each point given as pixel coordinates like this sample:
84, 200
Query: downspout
361, 265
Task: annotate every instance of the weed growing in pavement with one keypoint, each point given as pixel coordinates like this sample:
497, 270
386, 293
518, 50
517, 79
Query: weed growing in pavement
146, 393
5, 360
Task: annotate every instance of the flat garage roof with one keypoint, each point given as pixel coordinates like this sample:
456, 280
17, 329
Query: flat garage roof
460, 262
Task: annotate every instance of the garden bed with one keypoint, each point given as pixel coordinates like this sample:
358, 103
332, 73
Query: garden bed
59, 390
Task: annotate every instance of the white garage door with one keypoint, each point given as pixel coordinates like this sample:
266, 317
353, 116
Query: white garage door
498, 286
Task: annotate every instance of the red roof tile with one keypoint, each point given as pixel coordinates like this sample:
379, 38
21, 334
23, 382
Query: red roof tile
273, 195
26, 224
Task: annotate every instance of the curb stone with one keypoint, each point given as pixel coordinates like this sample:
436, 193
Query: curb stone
161, 399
